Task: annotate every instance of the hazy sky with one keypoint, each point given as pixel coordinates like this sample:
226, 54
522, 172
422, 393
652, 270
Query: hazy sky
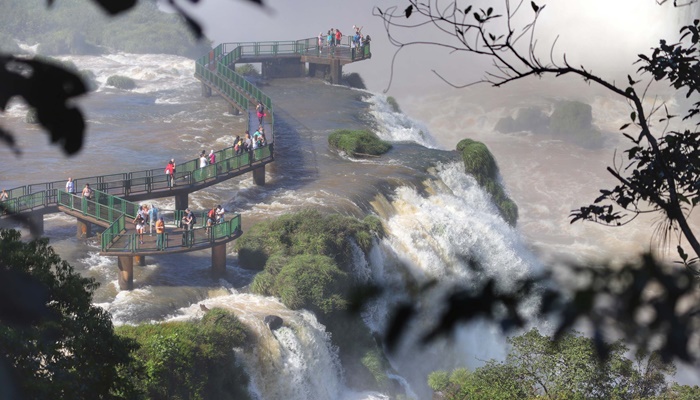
602, 34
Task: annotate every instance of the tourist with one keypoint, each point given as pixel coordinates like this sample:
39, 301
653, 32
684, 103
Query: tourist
248, 144
260, 110
88, 193
202, 159
70, 186
320, 42
211, 216
4, 196
185, 222
160, 234
212, 158
329, 40
237, 145
220, 214
338, 37
170, 173
357, 29
139, 222
152, 218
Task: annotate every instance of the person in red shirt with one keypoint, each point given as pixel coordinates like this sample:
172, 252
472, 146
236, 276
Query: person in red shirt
338, 37
170, 172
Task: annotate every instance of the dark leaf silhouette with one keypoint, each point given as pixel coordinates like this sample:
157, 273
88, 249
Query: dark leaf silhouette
409, 11
534, 6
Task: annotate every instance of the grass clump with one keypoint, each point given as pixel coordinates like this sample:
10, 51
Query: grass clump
188, 360
121, 82
358, 142
480, 163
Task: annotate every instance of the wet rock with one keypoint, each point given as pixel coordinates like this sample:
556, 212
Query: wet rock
273, 322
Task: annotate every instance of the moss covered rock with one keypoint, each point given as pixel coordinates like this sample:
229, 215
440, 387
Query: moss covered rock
574, 120
121, 82
480, 163
358, 142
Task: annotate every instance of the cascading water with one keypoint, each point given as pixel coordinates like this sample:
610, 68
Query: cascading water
294, 362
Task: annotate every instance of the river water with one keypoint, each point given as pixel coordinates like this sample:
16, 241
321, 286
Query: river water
437, 218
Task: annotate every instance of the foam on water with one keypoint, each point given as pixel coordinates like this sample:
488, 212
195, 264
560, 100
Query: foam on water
397, 126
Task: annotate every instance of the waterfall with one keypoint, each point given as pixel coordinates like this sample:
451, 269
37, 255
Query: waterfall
437, 236
294, 362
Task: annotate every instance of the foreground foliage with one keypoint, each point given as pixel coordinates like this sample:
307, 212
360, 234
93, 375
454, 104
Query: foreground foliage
358, 142
54, 342
539, 367
189, 360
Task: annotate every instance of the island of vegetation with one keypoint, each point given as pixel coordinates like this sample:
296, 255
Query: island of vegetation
358, 143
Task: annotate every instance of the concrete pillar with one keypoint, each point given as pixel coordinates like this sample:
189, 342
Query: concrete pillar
181, 202
126, 273
336, 71
206, 90
218, 259
140, 261
36, 224
233, 110
84, 229
259, 176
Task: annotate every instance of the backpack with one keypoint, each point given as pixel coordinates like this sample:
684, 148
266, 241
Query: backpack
261, 108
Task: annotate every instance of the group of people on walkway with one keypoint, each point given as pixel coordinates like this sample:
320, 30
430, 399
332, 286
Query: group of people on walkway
150, 216
250, 143
333, 38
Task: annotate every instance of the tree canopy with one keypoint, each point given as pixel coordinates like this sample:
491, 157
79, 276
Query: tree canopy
54, 342
539, 367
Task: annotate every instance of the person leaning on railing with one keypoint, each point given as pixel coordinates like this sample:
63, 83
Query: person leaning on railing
4, 196
88, 193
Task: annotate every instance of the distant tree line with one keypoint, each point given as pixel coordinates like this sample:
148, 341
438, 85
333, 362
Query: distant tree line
77, 27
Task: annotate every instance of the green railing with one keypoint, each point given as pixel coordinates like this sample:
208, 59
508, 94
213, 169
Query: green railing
28, 197
200, 235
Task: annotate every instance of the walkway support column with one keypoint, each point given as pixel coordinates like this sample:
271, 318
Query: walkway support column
206, 90
126, 273
140, 261
336, 71
181, 202
259, 176
36, 224
233, 110
84, 229
218, 259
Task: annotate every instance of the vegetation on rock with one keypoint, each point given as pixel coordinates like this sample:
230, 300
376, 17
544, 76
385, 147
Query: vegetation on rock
247, 70
358, 142
306, 260
31, 117
189, 360
121, 82
480, 163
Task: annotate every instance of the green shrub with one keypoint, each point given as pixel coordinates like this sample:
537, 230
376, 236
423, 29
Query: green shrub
247, 70
354, 80
121, 82
313, 282
394, 104
359, 142
189, 360
377, 365
480, 163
